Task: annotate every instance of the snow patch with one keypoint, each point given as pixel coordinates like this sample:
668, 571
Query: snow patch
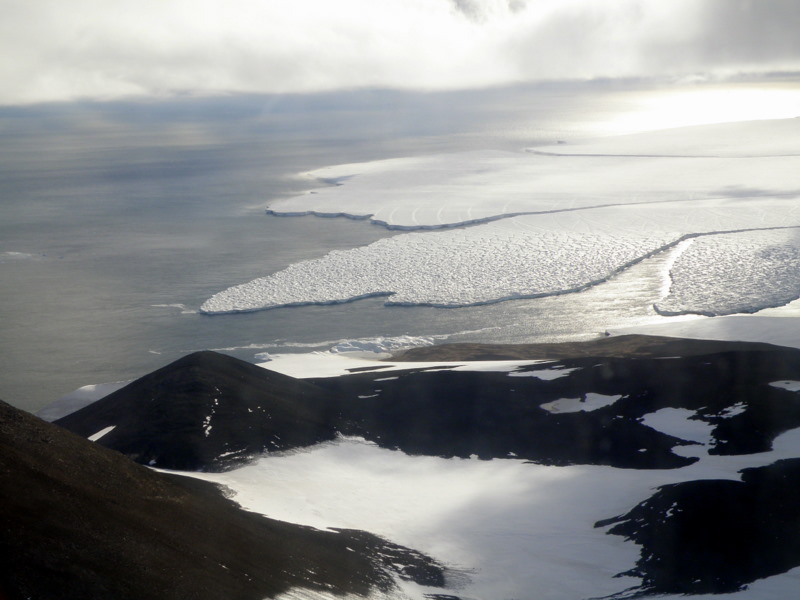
327, 364
678, 422
96, 436
590, 402
735, 410
521, 530
792, 386
544, 374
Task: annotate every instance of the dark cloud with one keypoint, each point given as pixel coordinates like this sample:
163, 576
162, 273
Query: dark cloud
750, 32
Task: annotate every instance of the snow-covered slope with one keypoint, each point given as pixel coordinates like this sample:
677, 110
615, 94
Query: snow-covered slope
544, 224
438, 464
515, 529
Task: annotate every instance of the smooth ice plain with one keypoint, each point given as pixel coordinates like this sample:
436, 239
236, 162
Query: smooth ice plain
494, 226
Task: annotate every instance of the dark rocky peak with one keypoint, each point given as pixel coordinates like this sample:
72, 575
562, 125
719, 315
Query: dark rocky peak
207, 411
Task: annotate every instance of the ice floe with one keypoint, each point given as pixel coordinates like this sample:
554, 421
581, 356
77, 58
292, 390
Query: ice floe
544, 224
521, 257
735, 273
524, 257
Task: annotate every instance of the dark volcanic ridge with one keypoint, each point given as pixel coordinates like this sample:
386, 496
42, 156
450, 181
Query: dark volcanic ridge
79, 521
208, 411
494, 414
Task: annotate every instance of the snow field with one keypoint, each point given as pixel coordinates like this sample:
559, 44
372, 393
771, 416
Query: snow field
517, 530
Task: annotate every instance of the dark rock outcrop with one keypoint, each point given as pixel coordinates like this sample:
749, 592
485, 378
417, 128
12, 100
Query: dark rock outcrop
492, 415
459, 413
209, 411
715, 536
79, 521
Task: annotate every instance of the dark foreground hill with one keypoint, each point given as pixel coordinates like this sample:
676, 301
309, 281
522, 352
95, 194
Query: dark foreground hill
78, 521
210, 411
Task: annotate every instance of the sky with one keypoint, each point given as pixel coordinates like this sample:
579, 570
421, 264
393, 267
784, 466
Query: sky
52, 51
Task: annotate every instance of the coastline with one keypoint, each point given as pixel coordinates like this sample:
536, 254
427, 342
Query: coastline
618, 346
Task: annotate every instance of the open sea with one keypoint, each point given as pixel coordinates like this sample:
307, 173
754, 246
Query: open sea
117, 220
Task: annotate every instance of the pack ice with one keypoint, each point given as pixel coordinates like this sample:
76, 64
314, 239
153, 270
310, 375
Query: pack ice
556, 220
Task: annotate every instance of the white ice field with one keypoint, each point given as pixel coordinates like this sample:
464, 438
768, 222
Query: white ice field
722, 198
511, 529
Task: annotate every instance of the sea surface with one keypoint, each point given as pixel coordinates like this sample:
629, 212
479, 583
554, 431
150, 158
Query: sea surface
117, 220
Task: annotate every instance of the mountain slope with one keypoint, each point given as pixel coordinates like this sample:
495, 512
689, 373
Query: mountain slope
208, 411
79, 521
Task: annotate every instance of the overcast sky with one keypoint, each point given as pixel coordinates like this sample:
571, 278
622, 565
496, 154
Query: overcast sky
52, 50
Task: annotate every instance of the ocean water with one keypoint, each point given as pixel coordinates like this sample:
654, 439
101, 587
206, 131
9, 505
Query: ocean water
118, 220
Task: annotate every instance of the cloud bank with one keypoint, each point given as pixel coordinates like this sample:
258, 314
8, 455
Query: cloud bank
52, 50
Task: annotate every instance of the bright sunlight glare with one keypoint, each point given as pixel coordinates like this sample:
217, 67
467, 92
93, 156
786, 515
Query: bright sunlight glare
670, 109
